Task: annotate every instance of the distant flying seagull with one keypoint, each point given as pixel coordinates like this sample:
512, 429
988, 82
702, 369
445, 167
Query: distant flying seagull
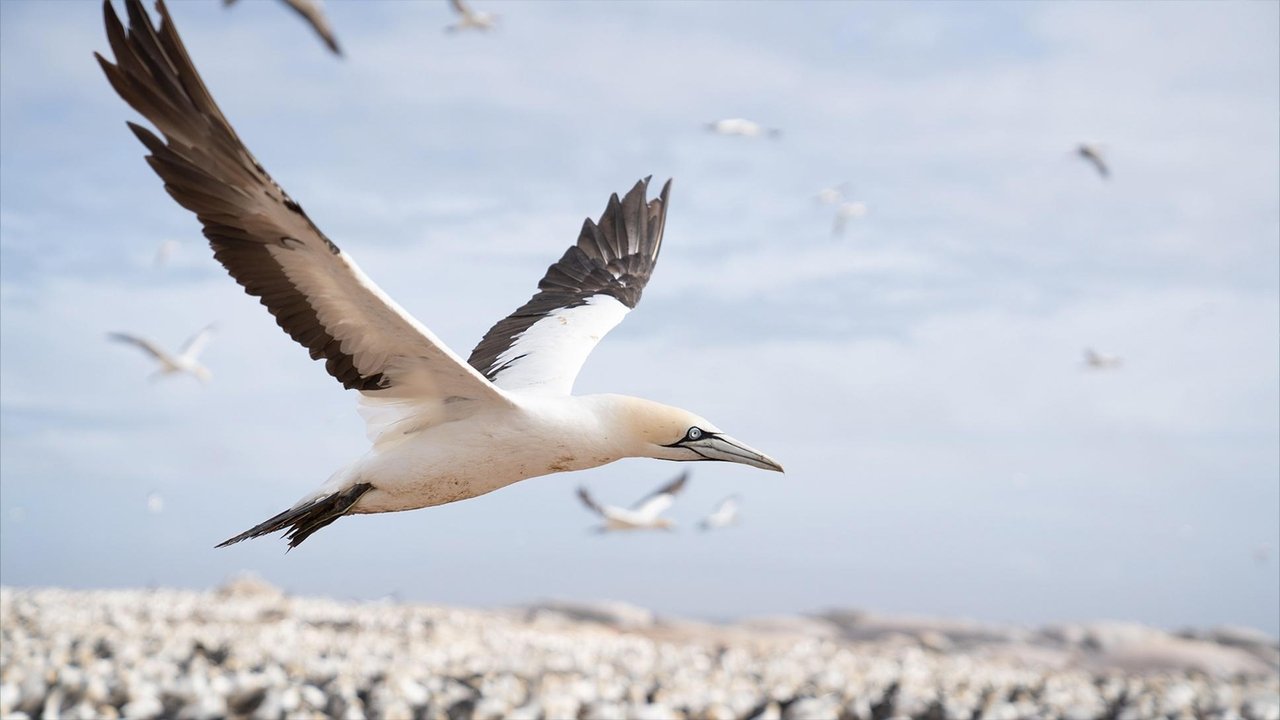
744, 128
844, 213
164, 252
313, 12
443, 429
1093, 154
725, 514
184, 362
644, 515
469, 19
155, 503
1095, 360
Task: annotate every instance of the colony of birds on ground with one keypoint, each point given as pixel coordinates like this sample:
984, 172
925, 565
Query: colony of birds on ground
444, 429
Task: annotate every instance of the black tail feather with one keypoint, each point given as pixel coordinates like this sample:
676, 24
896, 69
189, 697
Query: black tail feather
303, 520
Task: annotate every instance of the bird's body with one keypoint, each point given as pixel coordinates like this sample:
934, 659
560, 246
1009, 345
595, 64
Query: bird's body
443, 429
644, 515
312, 11
742, 128
1095, 360
469, 19
725, 514
1094, 156
185, 362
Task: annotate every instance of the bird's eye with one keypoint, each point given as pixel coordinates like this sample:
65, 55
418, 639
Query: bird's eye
694, 433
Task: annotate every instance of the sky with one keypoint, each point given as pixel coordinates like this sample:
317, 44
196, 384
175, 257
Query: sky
920, 376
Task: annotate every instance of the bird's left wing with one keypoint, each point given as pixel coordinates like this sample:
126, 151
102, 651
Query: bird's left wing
541, 346
264, 239
659, 500
143, 344
587, 500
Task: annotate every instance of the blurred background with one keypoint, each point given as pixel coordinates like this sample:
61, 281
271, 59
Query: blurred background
920, 374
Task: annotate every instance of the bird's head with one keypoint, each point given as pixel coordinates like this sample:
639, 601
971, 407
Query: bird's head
669, 433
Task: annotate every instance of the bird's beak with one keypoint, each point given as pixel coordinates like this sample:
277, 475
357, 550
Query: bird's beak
723, 447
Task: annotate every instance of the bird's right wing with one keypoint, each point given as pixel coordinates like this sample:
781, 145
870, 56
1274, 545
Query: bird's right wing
146, 346
313, 13
264, 239
541, 346
195, 345
659, 500
591, 504
460, 7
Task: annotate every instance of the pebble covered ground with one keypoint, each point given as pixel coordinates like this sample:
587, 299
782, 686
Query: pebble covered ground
250, 651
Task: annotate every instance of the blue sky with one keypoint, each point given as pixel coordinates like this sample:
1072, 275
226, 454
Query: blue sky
920, 378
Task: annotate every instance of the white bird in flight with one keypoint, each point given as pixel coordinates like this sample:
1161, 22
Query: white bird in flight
644, 515
851, 210
1094, 155
1095, 360
313, 12
469, 19
725, 514
742, 128
443, 429
186, 361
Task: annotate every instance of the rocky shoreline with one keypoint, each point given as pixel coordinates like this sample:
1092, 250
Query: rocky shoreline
248, 650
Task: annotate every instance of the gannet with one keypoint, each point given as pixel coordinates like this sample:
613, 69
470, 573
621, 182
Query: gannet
442, 429
644, 515
313, 12
470, 19
744, 128
1095, 360
853, 209
1093, 154
186, 361
725, 514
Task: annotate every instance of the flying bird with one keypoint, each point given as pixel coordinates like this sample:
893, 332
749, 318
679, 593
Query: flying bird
313, 12
644, 515
469, 19
741, 127
442, 429
725, 514
186, 361
1093, 154
847, 211
1095, 360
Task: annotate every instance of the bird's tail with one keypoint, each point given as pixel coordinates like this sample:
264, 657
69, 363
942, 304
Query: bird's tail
306, 518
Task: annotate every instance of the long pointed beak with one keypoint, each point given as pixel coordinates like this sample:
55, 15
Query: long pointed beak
723, 447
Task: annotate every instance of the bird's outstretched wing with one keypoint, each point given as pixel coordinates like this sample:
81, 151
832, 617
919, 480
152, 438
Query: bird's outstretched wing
541, 346
195, 344
264, 239
591, 504
313, 13
145, 345
460, 7
659, 500
1094, 156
